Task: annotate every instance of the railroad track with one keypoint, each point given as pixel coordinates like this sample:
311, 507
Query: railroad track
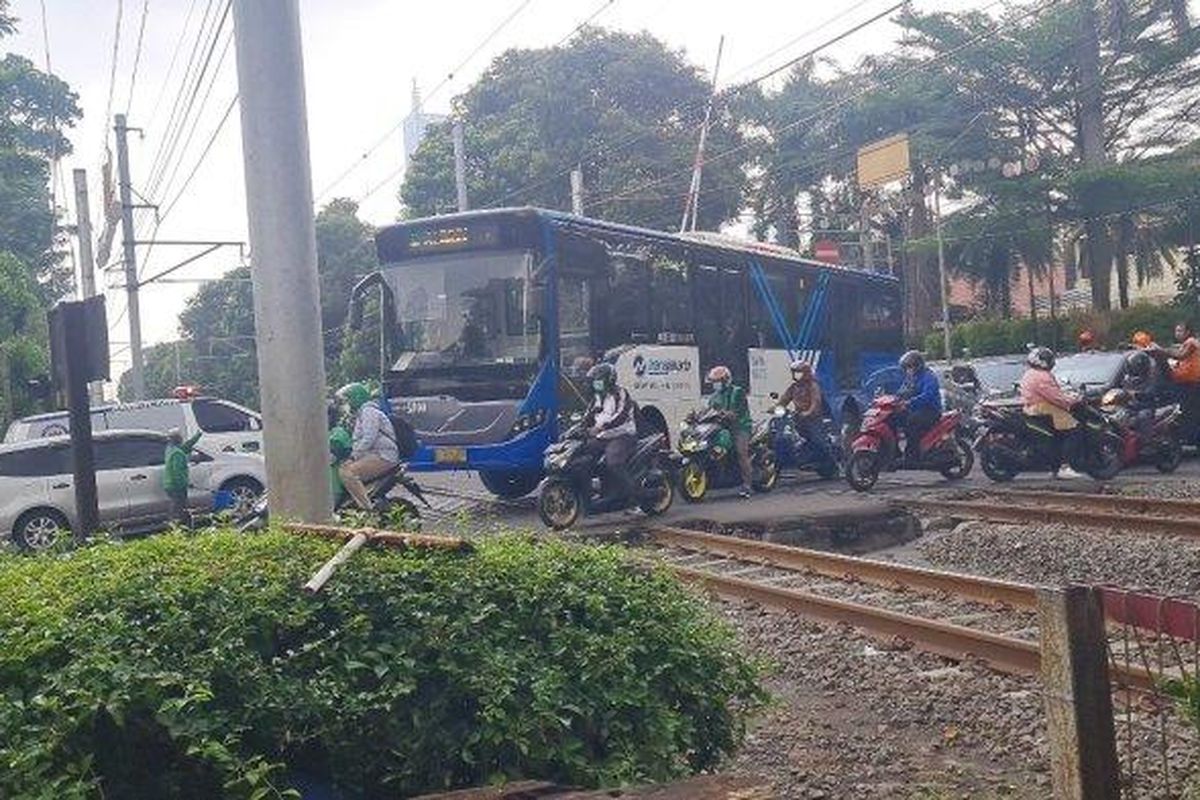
1105, 512
960, 617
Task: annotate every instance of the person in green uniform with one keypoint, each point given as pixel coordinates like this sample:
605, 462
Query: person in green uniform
731, 399
177, 461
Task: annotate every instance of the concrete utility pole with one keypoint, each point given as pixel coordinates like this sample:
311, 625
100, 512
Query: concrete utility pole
577, 191
691, 206
283, 248
941, 257
87, 261
460, 165
137, 378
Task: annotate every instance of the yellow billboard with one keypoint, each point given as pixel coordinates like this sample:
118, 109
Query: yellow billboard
883, 161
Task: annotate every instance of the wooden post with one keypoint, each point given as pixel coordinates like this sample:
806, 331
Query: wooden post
1078, 696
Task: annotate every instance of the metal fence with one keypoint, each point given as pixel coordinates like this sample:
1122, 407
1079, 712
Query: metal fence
1153, 645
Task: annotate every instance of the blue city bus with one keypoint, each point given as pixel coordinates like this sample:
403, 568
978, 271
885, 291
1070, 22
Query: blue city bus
498, 314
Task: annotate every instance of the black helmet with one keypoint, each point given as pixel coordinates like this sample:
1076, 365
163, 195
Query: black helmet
603, 372
912, 360
1040, 358
1138, 364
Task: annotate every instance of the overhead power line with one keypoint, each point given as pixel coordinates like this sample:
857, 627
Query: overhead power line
137, 55
492, 34
162, 89
600, 9
695, 107
112, 72
839, 103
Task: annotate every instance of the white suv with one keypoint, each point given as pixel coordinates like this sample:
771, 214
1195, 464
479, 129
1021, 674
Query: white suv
37, 494
226, 426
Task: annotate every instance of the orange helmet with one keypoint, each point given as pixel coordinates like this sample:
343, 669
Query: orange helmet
1142, 339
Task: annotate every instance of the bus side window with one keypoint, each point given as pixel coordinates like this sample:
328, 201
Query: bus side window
706, 300
627, 307
735, 329
574, 318
670, 301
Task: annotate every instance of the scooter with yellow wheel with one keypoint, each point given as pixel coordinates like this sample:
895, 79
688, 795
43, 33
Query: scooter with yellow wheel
707, 458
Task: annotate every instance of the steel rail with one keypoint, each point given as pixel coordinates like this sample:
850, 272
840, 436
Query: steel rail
881, 573
1127, 504
1003, 653
1081, 517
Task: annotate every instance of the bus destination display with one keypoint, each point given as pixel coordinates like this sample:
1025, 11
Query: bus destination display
452, 237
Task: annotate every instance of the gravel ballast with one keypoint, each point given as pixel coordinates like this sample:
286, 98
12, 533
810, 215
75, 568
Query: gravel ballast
857, 718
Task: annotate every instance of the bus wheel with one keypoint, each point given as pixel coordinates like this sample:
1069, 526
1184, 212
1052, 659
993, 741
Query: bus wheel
510, 484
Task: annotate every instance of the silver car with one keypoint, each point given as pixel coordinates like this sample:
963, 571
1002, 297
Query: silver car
37, 495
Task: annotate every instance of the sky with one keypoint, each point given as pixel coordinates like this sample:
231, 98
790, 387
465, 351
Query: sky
361, 57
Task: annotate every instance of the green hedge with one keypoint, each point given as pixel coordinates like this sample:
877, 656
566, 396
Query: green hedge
1113, 330
196, 667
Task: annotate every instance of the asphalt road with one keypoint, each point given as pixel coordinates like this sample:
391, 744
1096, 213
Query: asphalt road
462, 505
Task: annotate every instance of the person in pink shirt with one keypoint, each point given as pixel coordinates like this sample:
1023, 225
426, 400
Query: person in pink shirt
1042, 396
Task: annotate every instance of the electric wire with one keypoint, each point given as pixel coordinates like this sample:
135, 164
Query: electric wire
366, 155
137, 54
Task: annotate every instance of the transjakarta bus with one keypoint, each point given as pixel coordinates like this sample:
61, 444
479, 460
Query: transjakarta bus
500, 313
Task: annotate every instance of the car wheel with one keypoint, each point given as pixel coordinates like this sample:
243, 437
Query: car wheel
245, 493
40, 529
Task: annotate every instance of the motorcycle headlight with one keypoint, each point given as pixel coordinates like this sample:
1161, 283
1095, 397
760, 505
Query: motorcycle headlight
529, 421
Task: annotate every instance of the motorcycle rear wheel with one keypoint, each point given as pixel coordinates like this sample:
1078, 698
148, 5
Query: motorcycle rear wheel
1169, 457
862, 470
966, 460
1106, 462
992, 466
693, 482
766, 474
662, 501
559, 505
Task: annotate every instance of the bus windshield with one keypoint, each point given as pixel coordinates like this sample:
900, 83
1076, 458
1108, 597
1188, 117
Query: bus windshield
466, 310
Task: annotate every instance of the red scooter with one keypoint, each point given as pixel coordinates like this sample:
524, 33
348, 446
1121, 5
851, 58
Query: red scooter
1157, 443
876, 449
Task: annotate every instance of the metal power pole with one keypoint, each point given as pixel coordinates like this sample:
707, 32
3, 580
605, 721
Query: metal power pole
460, 165
283, 249
87, 261
577, 191
137, 378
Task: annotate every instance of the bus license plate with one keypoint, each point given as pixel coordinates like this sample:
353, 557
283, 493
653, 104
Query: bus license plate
450, 455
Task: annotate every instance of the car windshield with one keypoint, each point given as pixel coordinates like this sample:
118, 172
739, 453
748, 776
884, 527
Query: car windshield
999, 376
1088, 369
466, 309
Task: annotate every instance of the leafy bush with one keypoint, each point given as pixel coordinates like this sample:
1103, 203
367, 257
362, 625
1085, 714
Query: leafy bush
196, 667
1113, 330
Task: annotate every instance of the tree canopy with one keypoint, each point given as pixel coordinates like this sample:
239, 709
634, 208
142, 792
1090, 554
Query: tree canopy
621, 106
35, 110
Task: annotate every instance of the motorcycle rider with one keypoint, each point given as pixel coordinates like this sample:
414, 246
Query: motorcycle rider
613, 425
923, 401
1042, 396
374, 451
803, 398
730, 399
1141, 380
1186, 353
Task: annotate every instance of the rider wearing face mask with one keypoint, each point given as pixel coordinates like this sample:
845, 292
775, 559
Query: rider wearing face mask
730, 398
613, 424
803, 398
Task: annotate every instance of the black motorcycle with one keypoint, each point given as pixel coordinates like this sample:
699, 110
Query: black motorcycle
794, 450
708, 460
1010, 442
575, 481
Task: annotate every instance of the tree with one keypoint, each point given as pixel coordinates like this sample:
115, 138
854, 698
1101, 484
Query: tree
35, 108
621, 105
216, 349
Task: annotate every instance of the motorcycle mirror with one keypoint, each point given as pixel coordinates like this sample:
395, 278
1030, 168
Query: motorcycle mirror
774, 395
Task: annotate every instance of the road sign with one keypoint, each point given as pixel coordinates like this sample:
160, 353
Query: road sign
827, 250
883, 162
